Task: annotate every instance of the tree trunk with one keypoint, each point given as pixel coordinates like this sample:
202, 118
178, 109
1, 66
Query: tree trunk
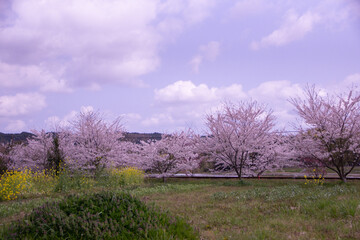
343, 178
238, 172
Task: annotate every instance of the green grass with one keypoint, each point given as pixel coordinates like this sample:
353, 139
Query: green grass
271, 209
356, 170
252, 209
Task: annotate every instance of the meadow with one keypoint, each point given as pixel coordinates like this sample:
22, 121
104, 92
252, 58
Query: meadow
216, 209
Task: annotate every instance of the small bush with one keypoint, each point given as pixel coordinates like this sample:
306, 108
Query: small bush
99, 216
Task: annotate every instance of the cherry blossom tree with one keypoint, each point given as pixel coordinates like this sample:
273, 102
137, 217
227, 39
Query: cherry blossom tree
239, 136
129, 154
172, 154
92, 143
34, 153
274, 154
5, 150
331, 134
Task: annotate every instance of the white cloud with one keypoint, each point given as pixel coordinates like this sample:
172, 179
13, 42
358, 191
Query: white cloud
333, 14
67, 44
340, 87
353, 79
184, 103
158, 119
18, 76
15, 126
188, 92
208, 52
276, 95
271, 91
21, 104
294, 28
338, 14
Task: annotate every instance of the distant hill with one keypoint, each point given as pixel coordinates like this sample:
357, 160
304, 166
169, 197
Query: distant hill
15, 137
132, 137
137, 137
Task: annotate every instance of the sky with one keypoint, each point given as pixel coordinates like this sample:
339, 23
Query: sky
162, 65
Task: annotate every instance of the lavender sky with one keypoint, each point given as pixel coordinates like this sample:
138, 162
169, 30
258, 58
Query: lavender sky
162, 65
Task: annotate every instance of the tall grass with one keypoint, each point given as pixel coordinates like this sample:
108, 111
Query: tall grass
26, 183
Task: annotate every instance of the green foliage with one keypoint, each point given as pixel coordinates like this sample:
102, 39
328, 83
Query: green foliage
55, 156
72, 181
99, 216
3, 165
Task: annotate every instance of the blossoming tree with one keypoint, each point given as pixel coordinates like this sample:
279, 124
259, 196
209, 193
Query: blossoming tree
331, 134
239, 136
33, 153
92, 143
275, 153
172, 154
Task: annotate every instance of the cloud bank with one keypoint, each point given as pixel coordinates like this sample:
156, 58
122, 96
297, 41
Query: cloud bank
59, 45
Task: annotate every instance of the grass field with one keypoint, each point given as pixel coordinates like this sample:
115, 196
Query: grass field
229, 209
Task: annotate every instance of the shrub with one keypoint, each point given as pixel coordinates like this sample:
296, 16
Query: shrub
99, 216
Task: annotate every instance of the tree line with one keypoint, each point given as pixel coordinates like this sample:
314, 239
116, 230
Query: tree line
240, 137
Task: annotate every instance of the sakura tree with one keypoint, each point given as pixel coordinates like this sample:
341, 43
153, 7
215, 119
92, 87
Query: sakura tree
129, 154
274, 154
92, 143
331, 131
172, 154
5, 150
239, 137
34, 153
